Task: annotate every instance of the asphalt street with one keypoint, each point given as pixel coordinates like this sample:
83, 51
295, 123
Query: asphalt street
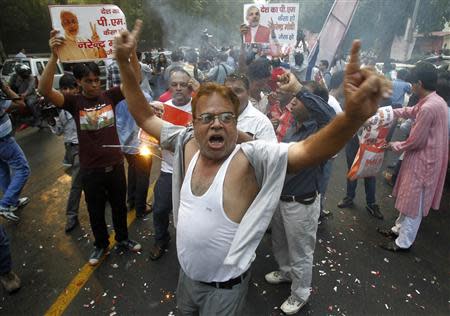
351, 274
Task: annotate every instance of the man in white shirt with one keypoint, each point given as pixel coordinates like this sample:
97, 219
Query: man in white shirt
250, 120
247, 194
179, 105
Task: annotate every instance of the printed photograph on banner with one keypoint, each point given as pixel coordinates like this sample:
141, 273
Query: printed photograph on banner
88, 30
96, 118
273, 24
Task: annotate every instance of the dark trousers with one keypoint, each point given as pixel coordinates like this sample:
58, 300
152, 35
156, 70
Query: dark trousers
73, 202
5, 252
138, 181
162, 206
369, 183
106, 185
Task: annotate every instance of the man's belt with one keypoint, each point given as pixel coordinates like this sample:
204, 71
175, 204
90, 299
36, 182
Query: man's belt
306, 199
101, 169
228, 284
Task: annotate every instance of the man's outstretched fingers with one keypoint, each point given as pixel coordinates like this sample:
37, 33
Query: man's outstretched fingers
137, 29
353, 65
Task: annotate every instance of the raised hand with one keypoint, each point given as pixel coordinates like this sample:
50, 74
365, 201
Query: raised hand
126, 42
244, 28
55, 41
363, 88
288, 83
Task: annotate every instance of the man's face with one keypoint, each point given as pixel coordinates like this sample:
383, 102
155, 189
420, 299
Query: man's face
253, 16
238, 87
70, 23
258, 86
180, 89
70, 90
215, 139
299, 110
322, 67
90, 85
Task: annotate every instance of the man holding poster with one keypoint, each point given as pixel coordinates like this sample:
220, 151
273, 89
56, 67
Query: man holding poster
101, 160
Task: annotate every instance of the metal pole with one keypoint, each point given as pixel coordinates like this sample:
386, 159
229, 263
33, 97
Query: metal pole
413, 20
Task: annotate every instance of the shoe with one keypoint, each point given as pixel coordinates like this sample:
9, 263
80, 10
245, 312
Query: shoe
374, 210
275, 277
388, 177
10, 282
292, 305
71, 224
324, 213
128, 245
392, 246
387, 233
345, 203
7, 213
144, 213
97, 255
20, 203
157, 251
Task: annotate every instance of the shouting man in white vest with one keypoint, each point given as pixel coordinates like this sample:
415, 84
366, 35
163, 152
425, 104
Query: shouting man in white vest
224, 194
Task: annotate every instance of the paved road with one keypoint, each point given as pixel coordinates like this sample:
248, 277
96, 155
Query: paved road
352, 276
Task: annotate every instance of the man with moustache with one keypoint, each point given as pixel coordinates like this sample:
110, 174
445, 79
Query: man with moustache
180, 87
224, 194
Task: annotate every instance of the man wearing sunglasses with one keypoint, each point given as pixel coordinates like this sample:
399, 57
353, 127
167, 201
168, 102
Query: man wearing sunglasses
224, 194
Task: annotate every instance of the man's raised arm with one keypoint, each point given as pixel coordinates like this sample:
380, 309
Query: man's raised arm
45, 87
125, 45
363, 89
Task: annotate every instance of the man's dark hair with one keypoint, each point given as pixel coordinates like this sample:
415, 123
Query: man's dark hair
443, 85
402, 74
325, 62
317, 89
67, 81
191, 56
177, 55
239, 77
336, 79
276, 62
222, 57
426, 73
259, 69
299, 58
81, 70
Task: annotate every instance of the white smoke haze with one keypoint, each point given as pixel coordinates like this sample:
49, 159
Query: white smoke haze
183, 29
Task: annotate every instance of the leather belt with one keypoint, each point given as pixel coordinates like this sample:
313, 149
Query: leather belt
100, 170
306, 199
228, 284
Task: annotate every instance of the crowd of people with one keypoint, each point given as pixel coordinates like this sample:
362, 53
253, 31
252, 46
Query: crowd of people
246, 143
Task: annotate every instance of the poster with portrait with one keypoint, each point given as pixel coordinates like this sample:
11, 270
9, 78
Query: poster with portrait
88, 30
271, 23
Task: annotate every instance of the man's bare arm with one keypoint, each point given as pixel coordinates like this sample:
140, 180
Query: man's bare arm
137, 103
363, 90
45, 87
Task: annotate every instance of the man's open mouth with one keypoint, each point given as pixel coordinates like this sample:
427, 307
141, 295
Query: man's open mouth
216, 141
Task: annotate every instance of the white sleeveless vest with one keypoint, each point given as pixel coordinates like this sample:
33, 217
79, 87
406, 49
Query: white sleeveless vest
204, 231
